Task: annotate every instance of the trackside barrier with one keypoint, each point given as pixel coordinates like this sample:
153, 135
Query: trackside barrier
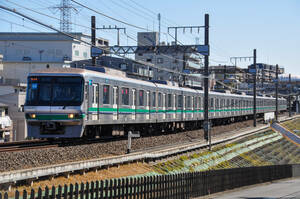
178, 186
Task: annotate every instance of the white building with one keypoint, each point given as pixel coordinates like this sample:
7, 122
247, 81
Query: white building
170, 58
26, 52
5, 124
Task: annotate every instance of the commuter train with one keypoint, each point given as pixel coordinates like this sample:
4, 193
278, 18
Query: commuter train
73, 102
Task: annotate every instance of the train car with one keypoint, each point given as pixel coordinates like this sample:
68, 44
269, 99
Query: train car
71, 102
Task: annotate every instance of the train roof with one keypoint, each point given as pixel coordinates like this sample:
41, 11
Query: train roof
85, 72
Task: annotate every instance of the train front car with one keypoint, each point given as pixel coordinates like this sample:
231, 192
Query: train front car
53, 107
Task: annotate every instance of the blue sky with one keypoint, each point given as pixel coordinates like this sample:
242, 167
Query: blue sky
237, 26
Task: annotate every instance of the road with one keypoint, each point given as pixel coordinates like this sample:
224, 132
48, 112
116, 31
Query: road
284, 189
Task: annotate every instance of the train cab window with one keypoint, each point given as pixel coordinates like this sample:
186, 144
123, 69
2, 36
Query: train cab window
159, 100
180, 101
169, 100
105, 99
125, 96
153, 99
141, 97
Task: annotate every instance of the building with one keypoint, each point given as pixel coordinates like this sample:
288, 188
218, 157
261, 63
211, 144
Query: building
265, 73
230, 76
14, 98
26, 52
130, 67
5, 124
171, 59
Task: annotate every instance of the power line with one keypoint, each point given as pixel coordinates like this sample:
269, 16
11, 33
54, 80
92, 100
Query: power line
120, 21
101, 48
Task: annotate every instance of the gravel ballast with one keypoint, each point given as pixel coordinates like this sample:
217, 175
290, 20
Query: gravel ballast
41, 157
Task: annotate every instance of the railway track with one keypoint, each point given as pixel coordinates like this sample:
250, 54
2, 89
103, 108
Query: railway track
45, 144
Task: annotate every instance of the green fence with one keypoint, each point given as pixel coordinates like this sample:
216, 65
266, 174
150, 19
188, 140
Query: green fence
178, 186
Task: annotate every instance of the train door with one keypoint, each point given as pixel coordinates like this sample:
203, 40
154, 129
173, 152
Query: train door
147, 105
164, 101
133, 104
95, 101
174, 105
87, 100
115, 103
153, 110
183, 107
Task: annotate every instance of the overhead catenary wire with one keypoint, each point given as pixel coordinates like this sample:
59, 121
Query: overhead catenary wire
101, 48
87, 27
107, 16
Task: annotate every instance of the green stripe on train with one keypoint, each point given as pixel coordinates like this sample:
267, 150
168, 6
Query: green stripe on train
102, 109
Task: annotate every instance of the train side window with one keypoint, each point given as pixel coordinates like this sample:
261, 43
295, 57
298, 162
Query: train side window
212, 103
153, 99
180, 101
217, 103
199, 102
176, 101
169, 100
159, 100
105, 99
194, 100
93, 95
125, 96
141, 98
188, 102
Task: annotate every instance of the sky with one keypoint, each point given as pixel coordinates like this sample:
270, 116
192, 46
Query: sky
236, 26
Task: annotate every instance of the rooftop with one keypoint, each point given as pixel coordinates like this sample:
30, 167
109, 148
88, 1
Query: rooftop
3, 105
35, 36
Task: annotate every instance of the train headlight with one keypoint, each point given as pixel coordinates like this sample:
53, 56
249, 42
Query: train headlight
71, 116
33, 116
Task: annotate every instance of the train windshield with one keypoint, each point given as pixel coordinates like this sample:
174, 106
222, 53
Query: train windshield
54, 91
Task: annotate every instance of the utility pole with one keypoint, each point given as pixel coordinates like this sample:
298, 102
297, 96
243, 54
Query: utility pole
290, 97
159, 18
254, 88
114, 28
93, 30
276, 94
207, 134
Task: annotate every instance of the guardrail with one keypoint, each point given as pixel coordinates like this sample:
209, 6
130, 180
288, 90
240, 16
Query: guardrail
181, 186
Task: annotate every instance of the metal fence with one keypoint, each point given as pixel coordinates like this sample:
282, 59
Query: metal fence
178, 186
